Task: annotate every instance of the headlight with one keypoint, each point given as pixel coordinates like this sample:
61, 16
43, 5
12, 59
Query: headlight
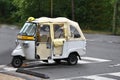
25, 45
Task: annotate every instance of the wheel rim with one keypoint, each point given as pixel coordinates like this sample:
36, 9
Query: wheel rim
17, 62
72, 59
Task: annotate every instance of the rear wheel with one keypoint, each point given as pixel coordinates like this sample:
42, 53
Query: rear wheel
72, 59
17, 62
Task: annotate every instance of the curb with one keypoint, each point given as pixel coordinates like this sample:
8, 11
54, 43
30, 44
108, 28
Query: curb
20, 70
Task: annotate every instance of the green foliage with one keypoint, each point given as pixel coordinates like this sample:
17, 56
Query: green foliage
94, 14
118, 17
6, 10
62, 8
36, 8
91, 14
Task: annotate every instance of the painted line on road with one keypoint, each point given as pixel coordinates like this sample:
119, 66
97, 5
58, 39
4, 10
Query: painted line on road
83, 62
115, 74
1, 66
94, 77
10, 69
86, 60
95, 59
4, 68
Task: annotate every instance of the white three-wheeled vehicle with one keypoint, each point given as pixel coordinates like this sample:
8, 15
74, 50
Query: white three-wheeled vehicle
49, 39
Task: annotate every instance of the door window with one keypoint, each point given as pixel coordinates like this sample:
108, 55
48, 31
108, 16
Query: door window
58, 31
45, 33
74, 32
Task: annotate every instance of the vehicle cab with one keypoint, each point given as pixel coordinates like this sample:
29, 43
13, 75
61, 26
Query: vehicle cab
49, 39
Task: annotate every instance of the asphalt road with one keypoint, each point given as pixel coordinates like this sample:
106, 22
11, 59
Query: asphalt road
7, 42
102, 61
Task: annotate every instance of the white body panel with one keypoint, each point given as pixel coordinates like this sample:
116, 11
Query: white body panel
68, 47
18, 51
30, 51
27, 52
73, 46
77, 46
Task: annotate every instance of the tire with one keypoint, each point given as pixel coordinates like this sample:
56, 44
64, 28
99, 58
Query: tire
72, 59
57, 61
17, 62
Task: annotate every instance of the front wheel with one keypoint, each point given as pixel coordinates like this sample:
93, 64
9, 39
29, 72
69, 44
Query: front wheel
72, 59
17, 62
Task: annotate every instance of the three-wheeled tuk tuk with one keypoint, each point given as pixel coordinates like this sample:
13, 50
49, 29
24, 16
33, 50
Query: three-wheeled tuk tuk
49, 39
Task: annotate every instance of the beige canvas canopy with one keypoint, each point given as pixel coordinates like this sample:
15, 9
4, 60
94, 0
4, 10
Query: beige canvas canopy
60, 20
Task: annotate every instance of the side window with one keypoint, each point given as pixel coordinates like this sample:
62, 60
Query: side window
74, 32
44, 33
58, 31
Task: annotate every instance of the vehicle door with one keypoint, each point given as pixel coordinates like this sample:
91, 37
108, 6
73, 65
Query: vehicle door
59, 39
44, 42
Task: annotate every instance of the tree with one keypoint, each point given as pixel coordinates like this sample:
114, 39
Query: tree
115, 16
73, 14
94, 14
91, 14
6, 10
35, 8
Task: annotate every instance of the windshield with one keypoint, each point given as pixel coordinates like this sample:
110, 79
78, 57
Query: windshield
28, 29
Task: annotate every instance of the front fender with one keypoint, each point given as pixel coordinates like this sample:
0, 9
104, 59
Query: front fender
18, 51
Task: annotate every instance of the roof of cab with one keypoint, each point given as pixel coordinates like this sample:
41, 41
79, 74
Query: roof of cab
54, 20
57, 20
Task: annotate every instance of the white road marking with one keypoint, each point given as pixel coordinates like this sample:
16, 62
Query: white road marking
10, 69
83, 62
115, 74
1, 66
95, 59
4, 68
95, 77
86, 60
